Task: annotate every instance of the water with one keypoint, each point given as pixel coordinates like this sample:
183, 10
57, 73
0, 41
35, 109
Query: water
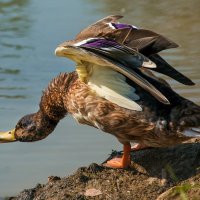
29, 33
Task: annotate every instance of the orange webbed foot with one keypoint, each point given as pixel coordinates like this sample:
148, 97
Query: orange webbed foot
123, 162
117, 163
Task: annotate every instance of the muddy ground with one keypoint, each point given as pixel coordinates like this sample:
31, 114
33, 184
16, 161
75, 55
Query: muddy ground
156, 174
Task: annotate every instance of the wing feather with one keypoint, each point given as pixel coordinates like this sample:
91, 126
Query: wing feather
124, 61
145, 41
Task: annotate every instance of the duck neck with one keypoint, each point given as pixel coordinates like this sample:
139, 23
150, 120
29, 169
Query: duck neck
52, 100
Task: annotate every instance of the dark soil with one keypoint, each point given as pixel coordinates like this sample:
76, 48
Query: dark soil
163, 174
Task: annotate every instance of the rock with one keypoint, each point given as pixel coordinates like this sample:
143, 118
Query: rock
92, 192
162, 174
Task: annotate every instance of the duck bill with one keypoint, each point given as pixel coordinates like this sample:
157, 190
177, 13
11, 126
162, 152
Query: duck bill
8, 136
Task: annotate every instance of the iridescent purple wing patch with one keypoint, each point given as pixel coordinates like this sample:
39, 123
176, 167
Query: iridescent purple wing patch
100, 43
122, 26
116, 53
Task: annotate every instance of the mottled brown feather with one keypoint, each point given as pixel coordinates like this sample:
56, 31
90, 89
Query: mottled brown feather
67, 94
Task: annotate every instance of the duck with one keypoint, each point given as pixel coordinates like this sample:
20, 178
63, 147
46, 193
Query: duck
114, 89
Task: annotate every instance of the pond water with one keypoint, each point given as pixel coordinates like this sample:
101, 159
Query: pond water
29, 33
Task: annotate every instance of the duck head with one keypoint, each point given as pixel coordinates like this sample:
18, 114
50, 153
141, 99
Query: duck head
30, 128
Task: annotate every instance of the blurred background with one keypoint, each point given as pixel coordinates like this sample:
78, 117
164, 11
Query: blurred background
29, 33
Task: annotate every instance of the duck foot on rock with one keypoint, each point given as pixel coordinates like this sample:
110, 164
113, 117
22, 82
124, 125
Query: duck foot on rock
120, 162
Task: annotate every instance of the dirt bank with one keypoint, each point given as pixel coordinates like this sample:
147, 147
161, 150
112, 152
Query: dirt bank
162, 174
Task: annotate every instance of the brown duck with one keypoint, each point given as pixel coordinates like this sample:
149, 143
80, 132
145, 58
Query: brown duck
114, 90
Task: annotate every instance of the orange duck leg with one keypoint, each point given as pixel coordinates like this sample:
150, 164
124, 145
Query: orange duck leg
122, 162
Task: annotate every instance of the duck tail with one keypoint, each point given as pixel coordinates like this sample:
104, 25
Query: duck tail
188, 118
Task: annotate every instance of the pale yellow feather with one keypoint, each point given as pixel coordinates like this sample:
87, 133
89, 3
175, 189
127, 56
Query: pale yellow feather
111, 85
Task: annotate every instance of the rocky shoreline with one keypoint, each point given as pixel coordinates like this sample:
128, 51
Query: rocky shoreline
162, 174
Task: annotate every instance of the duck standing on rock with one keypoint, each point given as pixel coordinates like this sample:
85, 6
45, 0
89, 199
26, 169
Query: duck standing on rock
114, 89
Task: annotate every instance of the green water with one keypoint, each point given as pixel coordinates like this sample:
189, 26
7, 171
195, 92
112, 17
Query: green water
29, 33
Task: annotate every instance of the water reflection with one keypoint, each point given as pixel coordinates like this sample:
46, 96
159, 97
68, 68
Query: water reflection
13, 19
13, 96
16, 46
15, 25
12, 88
9, 71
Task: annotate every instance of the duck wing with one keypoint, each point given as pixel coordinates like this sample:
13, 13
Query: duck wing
147, 42
125, 60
